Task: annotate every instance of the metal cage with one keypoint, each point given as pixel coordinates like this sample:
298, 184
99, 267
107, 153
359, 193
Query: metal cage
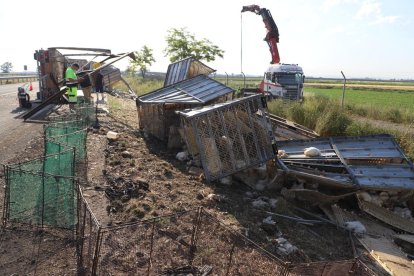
229, 137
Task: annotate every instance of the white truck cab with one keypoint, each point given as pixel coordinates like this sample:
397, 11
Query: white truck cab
283, 81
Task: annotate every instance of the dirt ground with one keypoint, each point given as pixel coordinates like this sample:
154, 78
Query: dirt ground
136, 177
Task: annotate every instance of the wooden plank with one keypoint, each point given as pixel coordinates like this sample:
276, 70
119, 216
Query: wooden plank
388, 255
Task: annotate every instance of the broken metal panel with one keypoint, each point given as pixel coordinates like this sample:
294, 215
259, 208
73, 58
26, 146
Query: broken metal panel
185, 69
288, 130
228, 137
387, 216
198, 90
111, 75
374, 162
379, 146
384, 176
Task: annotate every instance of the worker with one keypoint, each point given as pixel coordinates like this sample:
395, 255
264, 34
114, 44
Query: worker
99, 85
72, 84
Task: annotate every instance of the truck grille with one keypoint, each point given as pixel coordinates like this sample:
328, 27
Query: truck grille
291, 94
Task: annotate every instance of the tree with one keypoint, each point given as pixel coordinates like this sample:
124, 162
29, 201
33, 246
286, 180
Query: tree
143, 59
181, 44
6, 67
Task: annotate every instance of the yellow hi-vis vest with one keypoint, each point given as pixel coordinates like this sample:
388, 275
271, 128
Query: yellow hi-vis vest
72, 91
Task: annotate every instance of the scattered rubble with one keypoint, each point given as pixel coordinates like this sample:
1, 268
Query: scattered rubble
111, 135
182, 156
356, 227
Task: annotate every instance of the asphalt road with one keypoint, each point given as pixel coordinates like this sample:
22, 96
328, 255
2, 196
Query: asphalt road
14, 132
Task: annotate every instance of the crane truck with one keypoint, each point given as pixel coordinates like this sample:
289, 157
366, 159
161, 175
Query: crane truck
280, 80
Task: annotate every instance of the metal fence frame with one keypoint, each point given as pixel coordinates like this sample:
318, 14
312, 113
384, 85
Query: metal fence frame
92, 246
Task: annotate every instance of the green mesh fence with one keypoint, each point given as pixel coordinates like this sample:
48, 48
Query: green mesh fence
45, 196
43, 191
35, 165
85, 113
76, 139
41, 199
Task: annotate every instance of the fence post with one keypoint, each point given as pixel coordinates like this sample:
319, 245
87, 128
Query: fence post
343, 90
152, 245
97, 252
231, 257
194, 236
6, 199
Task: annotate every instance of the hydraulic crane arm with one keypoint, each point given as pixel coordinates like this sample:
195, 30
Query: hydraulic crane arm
272, 36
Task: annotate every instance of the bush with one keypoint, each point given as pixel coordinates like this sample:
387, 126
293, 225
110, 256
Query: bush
277, 107
394, 115
360, 129
332, 123
296, 113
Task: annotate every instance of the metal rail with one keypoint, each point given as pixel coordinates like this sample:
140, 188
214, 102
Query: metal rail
11, 79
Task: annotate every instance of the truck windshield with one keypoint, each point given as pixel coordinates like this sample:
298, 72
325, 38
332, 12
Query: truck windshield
286, 78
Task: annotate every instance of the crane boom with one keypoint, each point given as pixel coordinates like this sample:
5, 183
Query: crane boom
272, 35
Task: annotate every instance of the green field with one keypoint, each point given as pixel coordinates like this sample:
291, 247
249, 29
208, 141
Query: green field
362, 82
369, 98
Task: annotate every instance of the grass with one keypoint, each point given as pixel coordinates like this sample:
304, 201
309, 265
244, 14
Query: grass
140, 85
361, 82
397, 107
114, 103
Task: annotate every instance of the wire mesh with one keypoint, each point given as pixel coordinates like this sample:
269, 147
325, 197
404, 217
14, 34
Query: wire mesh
40, 199
231, 253
156, 246
42, 191
85, 113
88, 231
229, 137
150, 247
65, 138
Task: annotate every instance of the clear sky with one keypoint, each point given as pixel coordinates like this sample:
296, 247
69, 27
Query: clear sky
365, 38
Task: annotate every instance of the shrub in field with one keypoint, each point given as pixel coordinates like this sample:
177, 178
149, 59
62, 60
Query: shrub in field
296, 113
333, 122
315, 108
394, 115
359, 129
277, 107
354, 109
405, 140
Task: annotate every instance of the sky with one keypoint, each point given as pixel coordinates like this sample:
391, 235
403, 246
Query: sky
365, 38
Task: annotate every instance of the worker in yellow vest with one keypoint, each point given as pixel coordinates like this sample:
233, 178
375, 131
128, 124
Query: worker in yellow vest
72, 83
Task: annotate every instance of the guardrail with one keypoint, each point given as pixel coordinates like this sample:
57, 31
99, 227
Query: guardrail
16, 79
